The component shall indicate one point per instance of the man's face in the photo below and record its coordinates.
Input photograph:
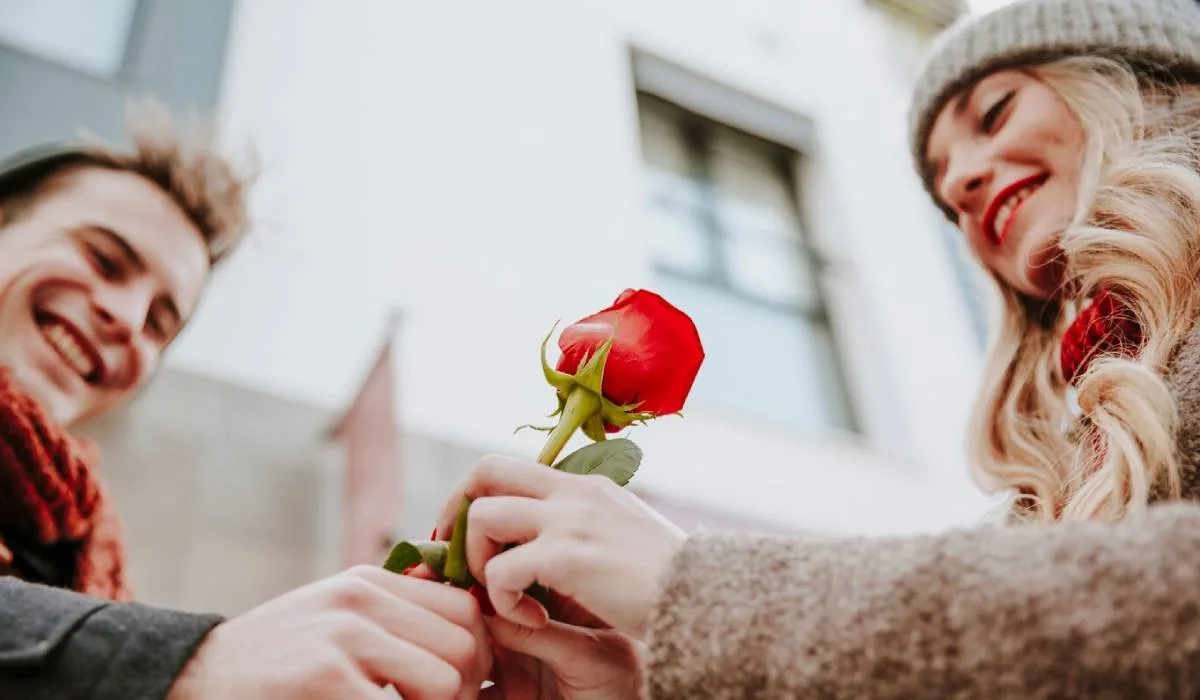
(96, 279)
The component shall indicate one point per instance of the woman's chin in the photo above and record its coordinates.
(1045, 267)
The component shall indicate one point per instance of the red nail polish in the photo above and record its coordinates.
(481, 597)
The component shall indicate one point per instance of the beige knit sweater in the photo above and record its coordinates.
(1060, 611)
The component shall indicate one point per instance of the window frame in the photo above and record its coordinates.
(109, 72)
(682, 97)
(175, 51)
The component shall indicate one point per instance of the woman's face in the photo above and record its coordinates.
(1005, 156)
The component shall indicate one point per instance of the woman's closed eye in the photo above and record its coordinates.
(992, 116)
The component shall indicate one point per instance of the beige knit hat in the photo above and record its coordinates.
(1161, 34)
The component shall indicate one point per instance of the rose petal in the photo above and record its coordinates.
(655, 356)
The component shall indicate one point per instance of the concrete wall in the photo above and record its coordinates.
(219, 488)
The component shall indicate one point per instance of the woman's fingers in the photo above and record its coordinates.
(581, 661)
(497, 521)
(582, 537)
(556, 644)
(515, 676)
(510, 574)
(498, 476)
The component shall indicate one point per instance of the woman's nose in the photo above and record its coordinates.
(966, 183)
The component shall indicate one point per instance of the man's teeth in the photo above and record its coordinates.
(64, 341)
(1007, 208)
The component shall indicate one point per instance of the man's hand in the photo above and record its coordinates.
(348, 636)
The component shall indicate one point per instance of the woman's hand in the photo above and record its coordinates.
(583, 537)
(571, 658)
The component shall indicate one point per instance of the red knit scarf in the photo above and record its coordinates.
(50, 495)
(1103, 328)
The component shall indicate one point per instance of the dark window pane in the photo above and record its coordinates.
(674, 217)
(728, 242)
(761, 362)
(769, 269)
(761, 237)
(678, 238)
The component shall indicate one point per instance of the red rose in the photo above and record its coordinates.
(655, 355)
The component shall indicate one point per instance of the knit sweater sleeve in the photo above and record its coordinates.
(1078, 610)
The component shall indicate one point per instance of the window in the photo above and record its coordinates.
(983, 6)
(67, 64)
(927, 15)
(723, 215)
(89, 35)
(910, 27)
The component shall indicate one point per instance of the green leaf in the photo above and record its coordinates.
(402, 556)
(407, 554)
(617, 459)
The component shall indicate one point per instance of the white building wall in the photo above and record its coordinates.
(477, 166)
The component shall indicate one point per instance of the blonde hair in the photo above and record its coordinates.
(1134, 233)
(182, 160)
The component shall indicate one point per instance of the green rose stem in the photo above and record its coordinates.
(581, 405)
(456, 556)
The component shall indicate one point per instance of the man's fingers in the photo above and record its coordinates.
(416, 673)
(451, 603)
(453, 644)
(367, 688)
(442, 619)
(498, 476)
(496, 521)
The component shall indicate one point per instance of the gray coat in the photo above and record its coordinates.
(59, 645)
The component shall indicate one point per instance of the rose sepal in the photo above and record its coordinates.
(590, 376)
